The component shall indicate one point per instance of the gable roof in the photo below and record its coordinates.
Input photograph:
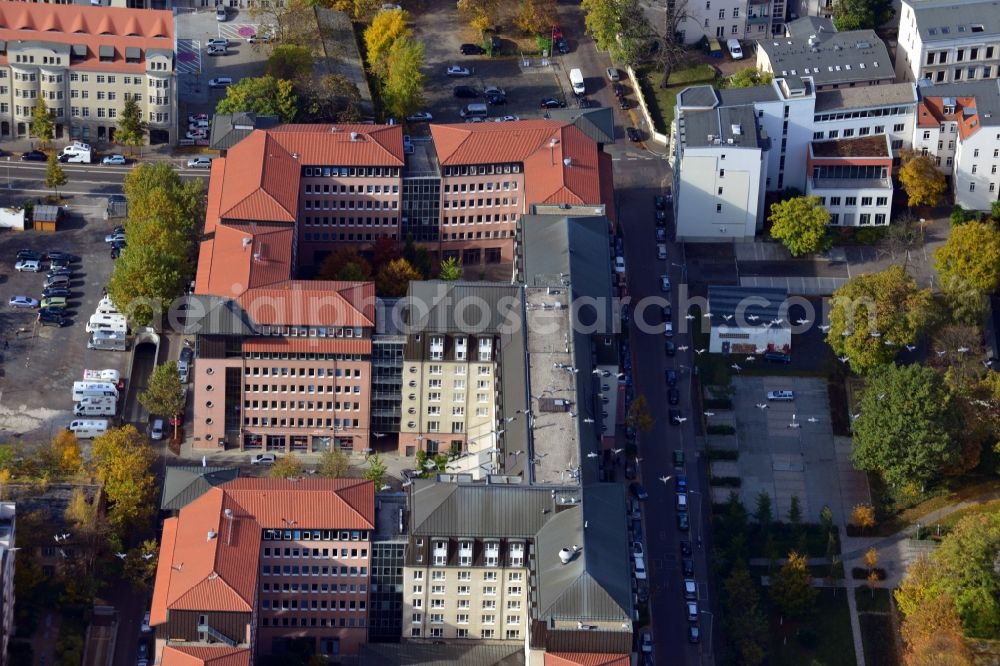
(839, 57)
(228, 129)
(598, 122)
(976, 104)
(260, 180)
(93, 28)
(585, 659)
(209, 553)
(196, 655)
(311, 302)
(182, 485)
(241, 257)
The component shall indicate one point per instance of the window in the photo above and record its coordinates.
(834, 201)
(927, 135)
(736, 12)
(866, 201)
(851, 201)
(972, 187)
(882, 201)
(489, 618)
(899, 127)
(865, 218)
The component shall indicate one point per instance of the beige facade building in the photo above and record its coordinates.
(85, 62)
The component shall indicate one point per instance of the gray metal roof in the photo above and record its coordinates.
(183, 485)
(724, 301)
(866, 96)
(736, 96)
(598, 123)
(228, 129)
(840, 57)
(514, 400)
(803, 27)
(986, 92)
(214, 315)
(481, 510)
(596, 584)
(467, 653)
(437, 306)
(699, 97)
(721, 124)
(945, 20)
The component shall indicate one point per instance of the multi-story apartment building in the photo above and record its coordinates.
(947, 41)
(8, 513)
(255, 564)
(831, 59)
(85, 62)
(786, 117)
(729, 19)
(513, 563)
(853, 179)
(451, 366)
(957, 124)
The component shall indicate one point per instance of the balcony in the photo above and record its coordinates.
(758, 20)
(851, 183)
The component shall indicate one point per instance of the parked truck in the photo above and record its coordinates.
(576, 78)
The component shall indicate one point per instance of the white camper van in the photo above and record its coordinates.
(106, 375)
(108, 341)
(107, 322)
(96, 389)
(88, 428)
(94, 409)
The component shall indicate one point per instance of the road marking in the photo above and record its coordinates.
(189, 56)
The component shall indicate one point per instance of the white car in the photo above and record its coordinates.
(114, 159)
(220, 82)
(183, 370)
(217, 41)
(735, 50)
(28, 266)
(506, 119)
(494, 90)
(619, 264)
(217, 50)
(455, 70)
(664, 283)
(197, 117)
(262, 38)
(22, 302)
(668, 329)
(263, 459)
(646, 641)
(199, 163)
(420, 116)
(196, 134)
(220, 13)
(145, 628)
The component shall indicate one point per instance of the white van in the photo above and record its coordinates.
(475, 111)
(781, 396)
(640, 569)
(106, 375)
(97, 389)
(576, 79)
(94, 409)
(661, 251)
(107, 322)
(89, 428)
(682, 501)
(735, 50)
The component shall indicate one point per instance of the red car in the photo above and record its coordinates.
(557, 32)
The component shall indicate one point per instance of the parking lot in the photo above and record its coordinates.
(40, 363)
(195, 68)
(443, 30)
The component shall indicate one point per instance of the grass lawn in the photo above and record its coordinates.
(662, 100)
(783, 540)
(824, 636)
(913, 514)
(878, 638)
(863, 596)
(948, 522)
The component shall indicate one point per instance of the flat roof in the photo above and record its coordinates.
(865, 146)
(866, 96)
(734, 126)
(945, 20)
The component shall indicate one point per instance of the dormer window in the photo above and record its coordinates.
(437, 348)
(492, 554)
(465, 553)
(461, 349)
(440, 553)
(517, 555)
(485, 349)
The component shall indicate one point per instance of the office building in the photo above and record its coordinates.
(8, 514)
(853, 179)
(948, 41)
(257, 565)
(85, 62)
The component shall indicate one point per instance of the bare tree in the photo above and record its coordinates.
(671, 52)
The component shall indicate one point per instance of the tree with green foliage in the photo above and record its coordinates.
(873, 315)
(394, 278)
(332, 98)
(861, 14)
(376, 471)
(418, 256)
(345, 263)
(638, 415)
(906, 430)
(42, 124)
(333, 464)
(381, 34)
(139, 565)
(403, 84)
(603, 21)
(131, 127)
(263, 95)
(800, 223)
(763, 514)
(286, 467)
(54, 176)
(923, 181)
(970, 256)
(791, 587)
(164, 395)
(290, 62)
(826, 518)
(535, 16)
(123, 460)
(745, 621)
(450, 270)
(748, 77)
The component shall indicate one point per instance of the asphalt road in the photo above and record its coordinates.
(29, 177)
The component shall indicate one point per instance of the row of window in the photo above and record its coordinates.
(84, 112)
(304, 356)
(486, 634)
(311, 388)
(463, 618)
(437, 576)
(317, 588)
(327, 221)
(327, 188)
(466, 590)
(296, 570)
(27, 110)
(274, 422)
(853, 201)
(314, 604)
(941, 57)
(350, 204)
(969, 72)
(312, 621)
(466, 604)
(479, 235)
(352, 172)
(505, 186)
(481, 169)
(303, 405)
(264, 371)
(865, 219)
(353, 553)
(315, 535)
(326, 236)
(479, 203)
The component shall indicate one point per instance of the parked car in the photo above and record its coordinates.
(455, 70)
(646, 642)
(660, 202)
(220, 82)
(682, 521)
(420, 117)
(687, 565)
(59, 255)
(671, 375)
(196, 134)
(619, 90)
(694, 634)
(199, 163)
(682, 483)
(114, 237)
(614, 75)
(215, 41)
(263, 459)
(56, 272)
(29, 254)
(56, 291)
(506, 119)
(466, 92)
(471, 49)
(53, 302)
(496, 100)
(619, 264)
(670, 348)
(50, 318)
(22, 302)
(34, 156)
(28, 266)
(673, 396)
(685, 549)
(187, 355)
(218, 50)
(638, 491)
(261, 37)
(562, 46)
(552, 103)
(664, 283)
(145, 628)
(661, 234)
(557, 32)
(624, 104)
(220, 13)
(735, 50)
(114, 159)
(633, 134)
(692, 611)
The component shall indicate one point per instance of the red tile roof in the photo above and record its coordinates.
(374, 145)
(242, 257)
(561, 163)
(209, 555)
(585, 659)
(930, 113)
(93, 27)
(306, 345)
(259, 181)
(309, 303)
(194, 655)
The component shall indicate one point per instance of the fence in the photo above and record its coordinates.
(644, 108)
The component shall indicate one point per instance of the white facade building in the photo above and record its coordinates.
(853, 179)
(947, 41)
(7, 552)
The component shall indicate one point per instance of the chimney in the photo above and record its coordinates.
(354, 136)
(211, 535)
